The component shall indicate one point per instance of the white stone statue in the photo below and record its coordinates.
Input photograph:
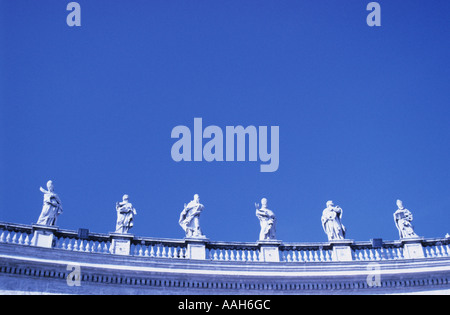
(51, 207)
(189, 218)
(403, 218)
(267, 220)
(125, 215)
(331, 222)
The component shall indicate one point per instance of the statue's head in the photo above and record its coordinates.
(196, 198)
(264, 202)
(125, 197)
(330, 203)
(50, 185)
(399, 204)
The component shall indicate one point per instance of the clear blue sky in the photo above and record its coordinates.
(363, 112)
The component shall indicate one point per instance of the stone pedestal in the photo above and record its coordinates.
(120, 243)
(196, 248)
(341, 250)
(43, 235)
(269, 250)
(412, 248)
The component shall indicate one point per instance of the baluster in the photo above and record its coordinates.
(232, 258)
(158, 250)
(310, 256)
(218, 254)
(377, 254)
(106, 249)
(94, 245)
(141, 251)
(241, 255)
(321, 256)
(81, 246)
(8, 237)
(227, 256)
(444, 254)
(295, 256)
(14, 239)
(392, 253)
(328, 255)
(399, 253)
(69, 244)
(288, 255)
(87, 248)
(316, 256)
(359, 255)
(305, 255)
(244, 256)
(20, 241)
(366, 256)
(371, 255)
(27, 239)
(75, 244)
(431, 250)
(256, 255)
(63, 243)
(146, 253)
(152, 250)
(238, 255)
(438, 252)
(387, 253)
(2, 237)
(99, 247)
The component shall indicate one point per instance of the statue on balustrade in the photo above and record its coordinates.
(267, 220)
(189, 218)
(51, 207)
(125, 215)
(331, 222)
(403, 218)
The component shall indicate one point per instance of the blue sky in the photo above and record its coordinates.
(363, 113)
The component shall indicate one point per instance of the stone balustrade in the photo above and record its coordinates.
(126, 244)
(233, 251)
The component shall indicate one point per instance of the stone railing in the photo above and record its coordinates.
(262, 251)
(233, 251)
